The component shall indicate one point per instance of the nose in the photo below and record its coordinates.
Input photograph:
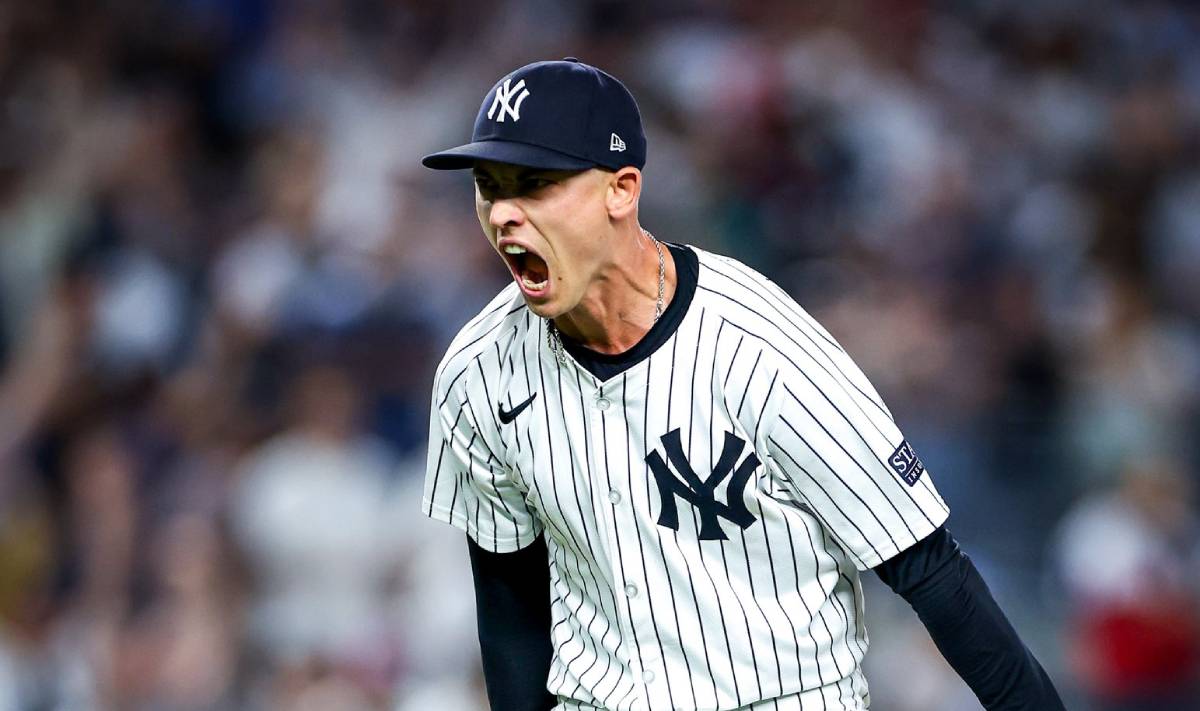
(505, 213)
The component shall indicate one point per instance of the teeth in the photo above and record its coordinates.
(535, 286)
(514, 249)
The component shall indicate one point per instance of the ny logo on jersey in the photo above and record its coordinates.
(504, 102)
(702, 493)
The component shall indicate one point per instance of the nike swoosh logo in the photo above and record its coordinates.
(507, 416)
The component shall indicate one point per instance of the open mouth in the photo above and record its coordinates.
(528, 268)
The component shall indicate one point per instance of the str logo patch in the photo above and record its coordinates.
(906, 463)
(702, 493)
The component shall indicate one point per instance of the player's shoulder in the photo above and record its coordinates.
(751, 303)
(720, 273)
(499, 319)
(742, 294)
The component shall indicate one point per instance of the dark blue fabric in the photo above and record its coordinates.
(512, 603)
(970, 630)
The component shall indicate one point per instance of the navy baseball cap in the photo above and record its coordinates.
(559, 115)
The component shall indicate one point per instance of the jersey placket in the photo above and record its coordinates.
(603, 417)
(620, 458)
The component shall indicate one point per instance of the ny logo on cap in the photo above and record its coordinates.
(701, 493)
(503, 98)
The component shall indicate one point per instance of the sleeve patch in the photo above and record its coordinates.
(906, 463)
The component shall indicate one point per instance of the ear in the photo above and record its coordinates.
(624, 189)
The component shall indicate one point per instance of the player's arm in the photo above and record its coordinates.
(833, 446)
(512, 603)
(942, 585)
(468, 486)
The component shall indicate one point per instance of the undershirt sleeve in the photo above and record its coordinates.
(970, 630)
(512, 602)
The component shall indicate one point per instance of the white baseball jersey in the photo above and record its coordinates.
(706, 510)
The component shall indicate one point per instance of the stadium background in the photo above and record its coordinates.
(225, 282)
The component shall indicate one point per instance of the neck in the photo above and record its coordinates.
(619, 308)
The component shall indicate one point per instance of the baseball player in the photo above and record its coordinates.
(671, 476)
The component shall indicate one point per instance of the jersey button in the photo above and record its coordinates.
(614, 496)
(603, 403)
(631, 590)
(647, 676)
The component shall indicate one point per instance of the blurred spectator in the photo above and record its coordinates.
(436, 619)
(1130, 560)
(37, 373)
(181, 651)
(313, 512)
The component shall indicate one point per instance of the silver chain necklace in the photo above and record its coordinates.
(554, 340)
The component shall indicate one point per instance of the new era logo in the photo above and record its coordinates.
(504, 100)
(615, 143)
(906, 463)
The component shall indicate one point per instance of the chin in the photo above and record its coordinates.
(544, 309)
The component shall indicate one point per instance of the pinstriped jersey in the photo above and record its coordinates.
(707, 510)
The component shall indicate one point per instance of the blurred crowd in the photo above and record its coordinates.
(225, 283)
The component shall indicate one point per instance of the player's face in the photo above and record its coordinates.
(548, 226)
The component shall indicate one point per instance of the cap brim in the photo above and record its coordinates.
(522, 154)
